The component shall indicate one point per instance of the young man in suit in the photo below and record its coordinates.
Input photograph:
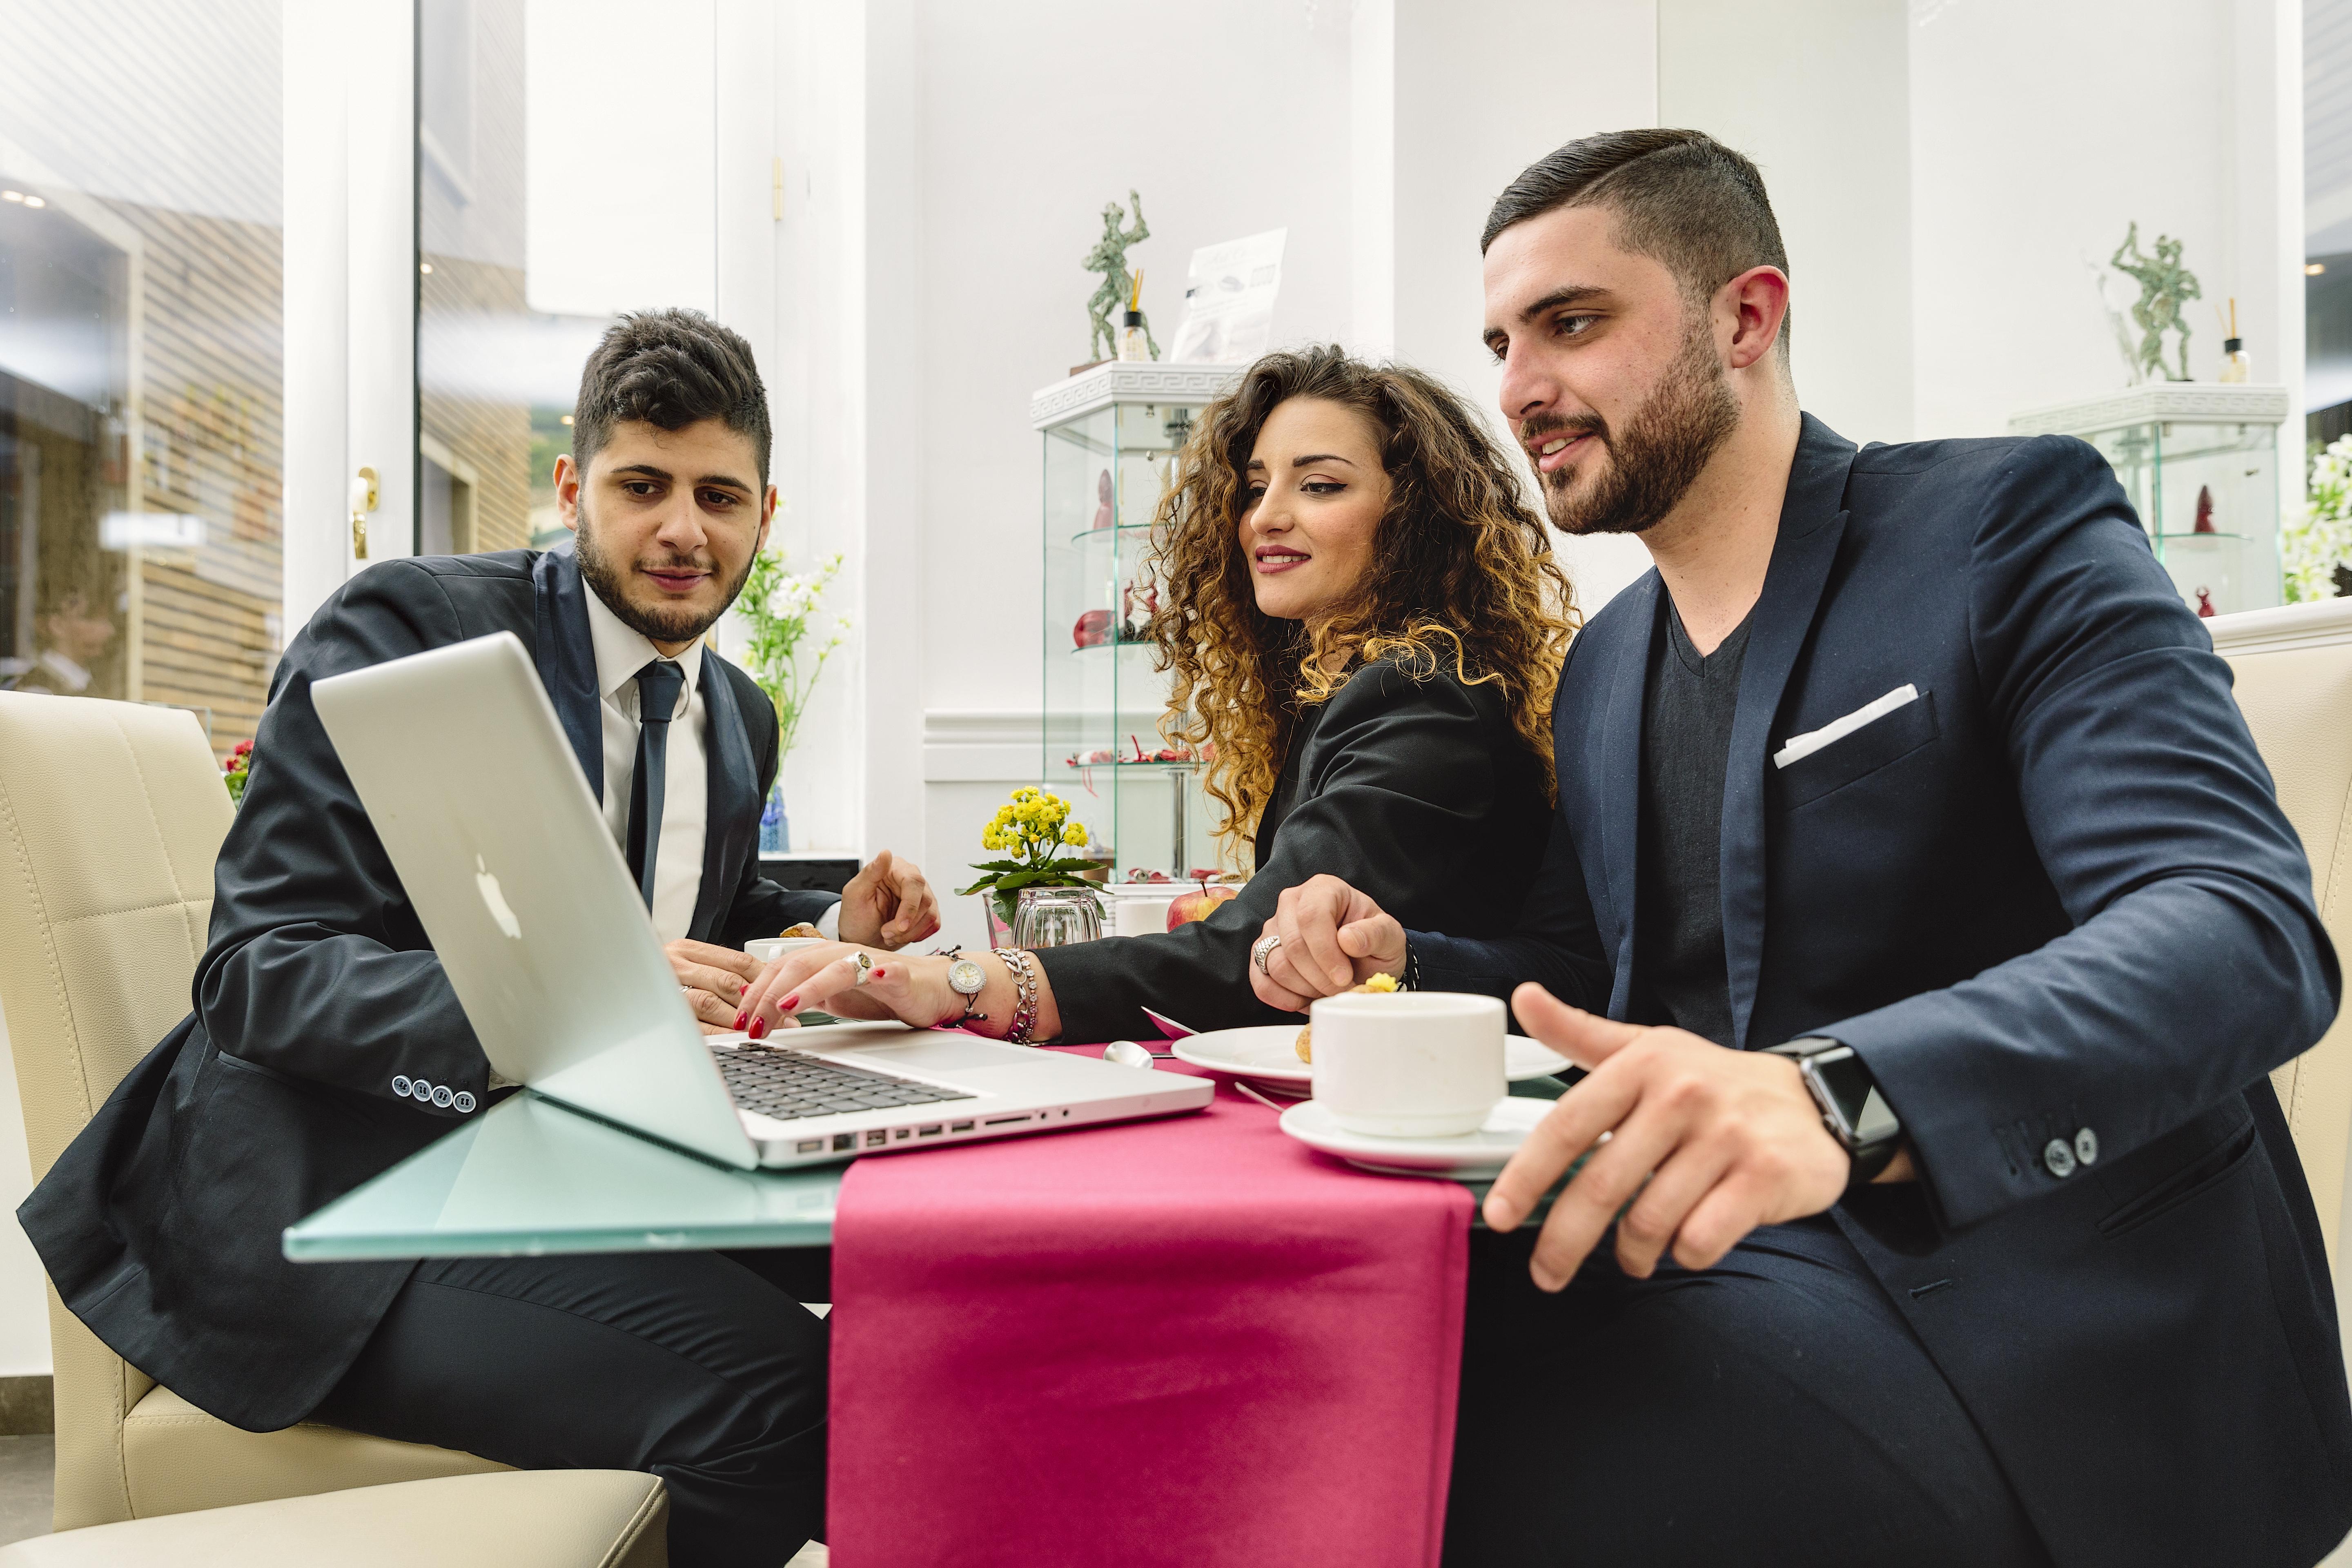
(327, 1044)
(1937, 926)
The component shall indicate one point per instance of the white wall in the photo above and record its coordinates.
(1233, 117)
(2038, 133)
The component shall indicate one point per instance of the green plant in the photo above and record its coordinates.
(2312, 545)
(1035, 825)
(236, 769)
(776, 604)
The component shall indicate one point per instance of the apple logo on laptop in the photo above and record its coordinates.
(495, 900)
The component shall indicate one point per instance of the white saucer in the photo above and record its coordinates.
(1267, 1058)
(1468, 1157)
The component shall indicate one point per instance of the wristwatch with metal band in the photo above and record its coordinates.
(1852, 1109)
(965, 978)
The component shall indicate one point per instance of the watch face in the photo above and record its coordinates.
(1856, 1095)
(965, 977)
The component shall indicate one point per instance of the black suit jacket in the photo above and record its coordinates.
(159, 1224)
(1415, 790)
(2054, 894)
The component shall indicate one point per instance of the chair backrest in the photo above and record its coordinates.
(2293, 669)
(111, 816)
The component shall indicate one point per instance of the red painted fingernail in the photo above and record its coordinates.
(759, 1029)
(791, 1001)
(739, 1017)
(881, 972)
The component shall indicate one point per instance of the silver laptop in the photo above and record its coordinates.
(467, 775)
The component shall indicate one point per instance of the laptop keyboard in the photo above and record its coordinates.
(788, 1084)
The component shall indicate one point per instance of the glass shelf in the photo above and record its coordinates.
(1108, 535)
(1110, 440)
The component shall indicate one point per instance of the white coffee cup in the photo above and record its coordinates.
(1413, 1064)
(766, 948)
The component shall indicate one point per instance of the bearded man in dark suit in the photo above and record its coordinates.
(1924, 919)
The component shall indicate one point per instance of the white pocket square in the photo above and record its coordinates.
(1812, 741)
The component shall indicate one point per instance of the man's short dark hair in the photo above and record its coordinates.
(1681, 197)
(671, 369)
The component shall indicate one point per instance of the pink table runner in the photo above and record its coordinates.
(1180, 1342)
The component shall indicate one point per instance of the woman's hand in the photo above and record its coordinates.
(911, 988)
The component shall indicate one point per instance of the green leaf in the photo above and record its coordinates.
(989, 881)
(1001, 866)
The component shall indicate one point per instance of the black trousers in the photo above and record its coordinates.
(1773, 1409)
(700, 1367)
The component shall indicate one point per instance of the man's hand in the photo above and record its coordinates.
(1725, 1141)
(713, 979)
(1333, 937)
(887, 905)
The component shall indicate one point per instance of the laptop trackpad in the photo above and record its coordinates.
(942, 1053)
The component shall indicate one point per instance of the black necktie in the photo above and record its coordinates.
(657, 686)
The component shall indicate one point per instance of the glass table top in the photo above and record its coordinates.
(529, 1177)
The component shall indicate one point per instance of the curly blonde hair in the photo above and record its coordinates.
(1462, 570)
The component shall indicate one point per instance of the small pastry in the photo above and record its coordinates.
(1379, 984)
(802, 929)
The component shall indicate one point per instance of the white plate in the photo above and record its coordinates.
(1267, 1056)
(1466, 1157)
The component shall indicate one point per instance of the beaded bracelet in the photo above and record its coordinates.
(1023, 971)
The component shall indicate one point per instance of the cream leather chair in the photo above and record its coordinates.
(523, 1518)
(111, 814)
(2293, 671)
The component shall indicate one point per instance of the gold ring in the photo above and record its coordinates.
(864, 968)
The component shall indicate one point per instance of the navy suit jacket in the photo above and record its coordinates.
(159, 1224)
(2053, 895)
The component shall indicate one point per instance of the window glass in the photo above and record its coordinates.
(544, 208)
(140, 379)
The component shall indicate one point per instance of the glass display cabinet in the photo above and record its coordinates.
(1110, 437)
(2201, 463)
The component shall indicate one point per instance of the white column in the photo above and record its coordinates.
(1821, 99)
(381, 414)
(1455, 114)
(890, 303)
(316, 541)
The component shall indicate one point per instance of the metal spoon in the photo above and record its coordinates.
(1127, 1054)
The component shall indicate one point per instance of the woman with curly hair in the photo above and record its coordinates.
(1364, 622)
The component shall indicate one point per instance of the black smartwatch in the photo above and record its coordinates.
(1853, 1110)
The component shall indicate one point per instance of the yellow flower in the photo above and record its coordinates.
(1024, 793)
(990, 839)
(1075, 833)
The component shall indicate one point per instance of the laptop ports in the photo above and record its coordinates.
(809, 1146)
(844, 1141)
(932, 1132)
(959, 1127)
(875, 1139)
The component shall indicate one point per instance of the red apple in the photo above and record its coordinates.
(1196, 905)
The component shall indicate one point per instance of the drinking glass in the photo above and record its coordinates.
(1057, 917)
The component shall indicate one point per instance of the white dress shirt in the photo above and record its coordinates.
(686, 786)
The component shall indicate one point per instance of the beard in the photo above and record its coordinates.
(1654, 460)
(654, 623)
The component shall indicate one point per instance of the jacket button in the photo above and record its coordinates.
(2086, 1147)
(400, 1086)
(465, 1101)
(442, 1096)
(2059, 1155)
